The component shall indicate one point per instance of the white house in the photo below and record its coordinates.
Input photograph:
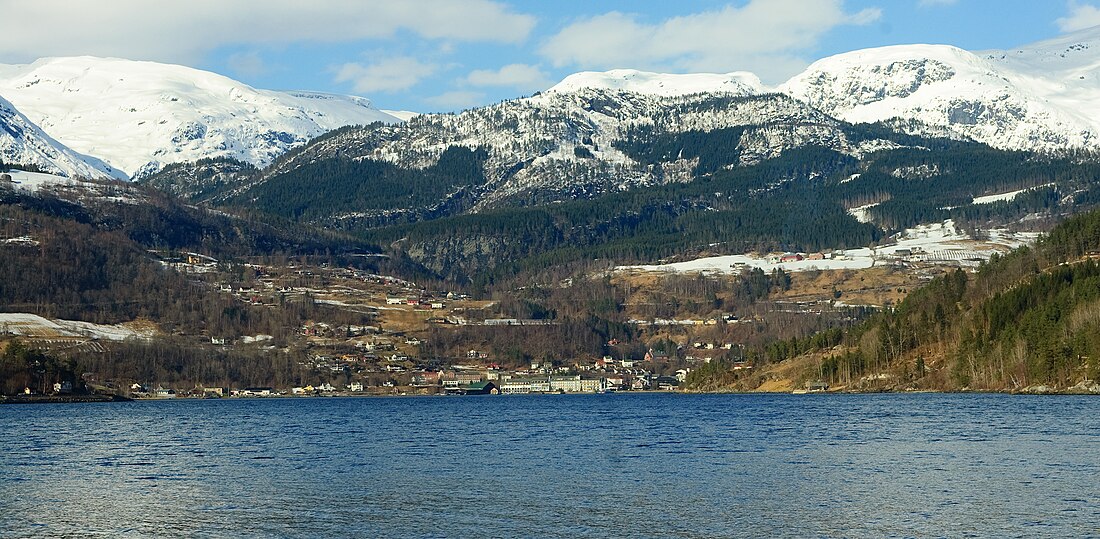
(567, 384)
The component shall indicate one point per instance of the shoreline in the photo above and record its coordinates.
(83, 399)
(61, 399)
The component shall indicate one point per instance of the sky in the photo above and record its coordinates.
(446, 55)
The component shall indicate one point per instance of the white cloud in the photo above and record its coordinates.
(248, 64)
(1080, 16)
(184, 31)
(458, 99)
(519, 76)
(764, 36)
(387, 75)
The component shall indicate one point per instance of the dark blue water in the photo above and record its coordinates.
(556, 466)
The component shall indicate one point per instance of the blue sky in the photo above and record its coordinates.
(437, 55)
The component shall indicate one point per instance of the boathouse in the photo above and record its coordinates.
(479, 388)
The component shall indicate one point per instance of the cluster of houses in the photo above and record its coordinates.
(357, 358)
(416, 302)
(786, 258)
(725, 318)
(187, 262)
(159, 392)
(576, 383)
(518, 322)
(605, 376)
(507, 386)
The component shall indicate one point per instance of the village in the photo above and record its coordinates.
(355, 332)
(358, 332)
(362, 333)
(369, 334)
(605, 377)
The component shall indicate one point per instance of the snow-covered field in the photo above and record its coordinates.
(35, 181)
(989, 199)
(861, 214)
(939, 243)
(31, 325)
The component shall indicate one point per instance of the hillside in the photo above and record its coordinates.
(1028, 321)
(96, 250)
(117, 279)
(204, 297)
(808, 200)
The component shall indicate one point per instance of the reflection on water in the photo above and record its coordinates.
(599, 465)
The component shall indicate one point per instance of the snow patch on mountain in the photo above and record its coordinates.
(23, 142)
(403, 115)
(74, 189)
(662, 84)
(28, 324)
(1005, 197)
(936, 243)
(140, 116)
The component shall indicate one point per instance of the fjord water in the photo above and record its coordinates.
(657, 465)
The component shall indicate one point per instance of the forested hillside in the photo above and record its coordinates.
(1025, 320)
(75, 254)
(99, 260)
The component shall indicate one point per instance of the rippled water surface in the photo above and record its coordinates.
(556, 466)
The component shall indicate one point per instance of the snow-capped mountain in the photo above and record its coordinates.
(140, 116)
(662, 84)
(22, 142)
(1044, 96)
